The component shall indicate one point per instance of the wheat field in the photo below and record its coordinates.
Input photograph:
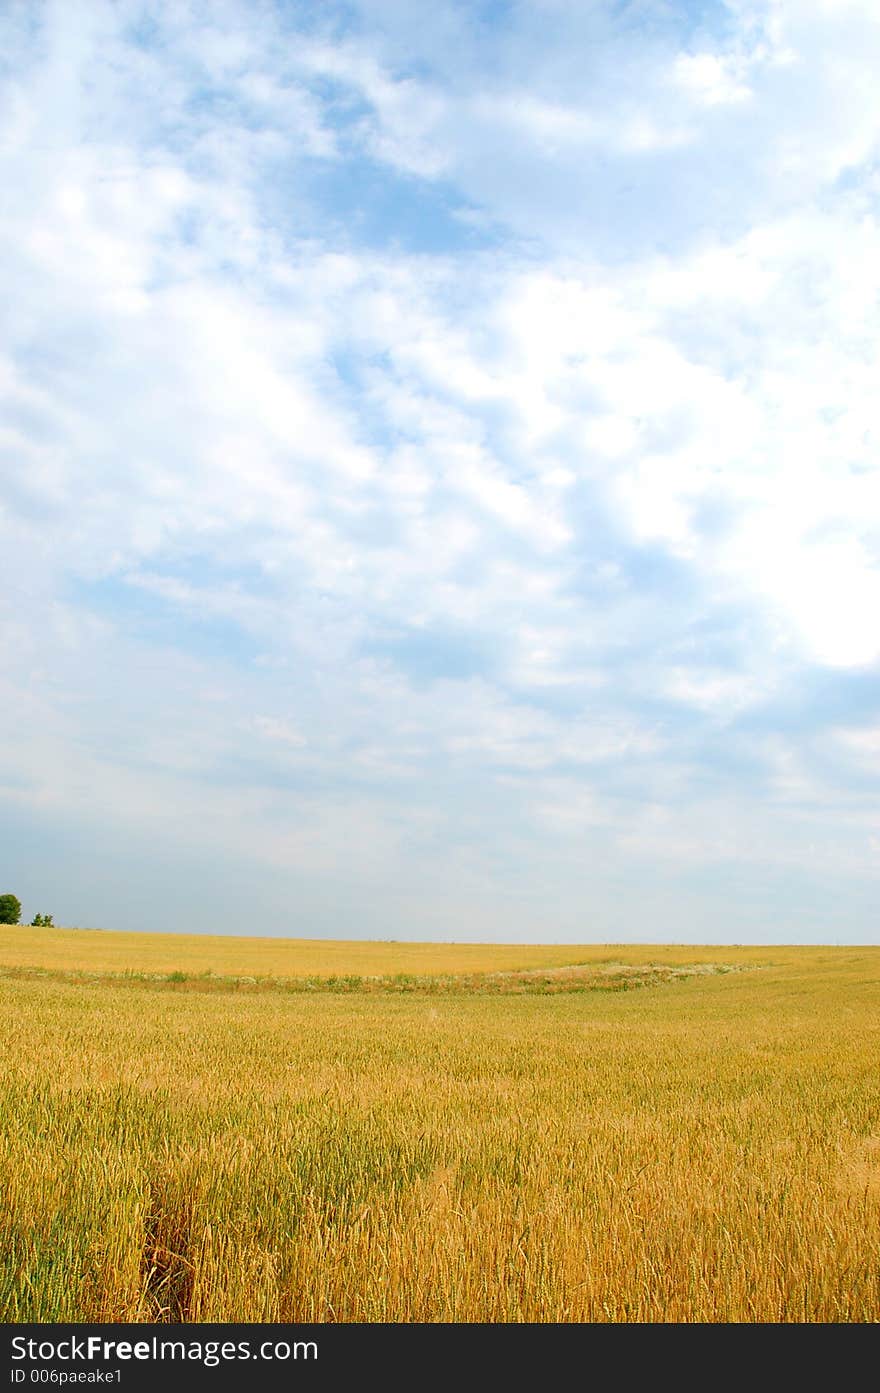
(212, 1129)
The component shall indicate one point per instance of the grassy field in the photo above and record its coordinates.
(237, 1129)
(100, 951)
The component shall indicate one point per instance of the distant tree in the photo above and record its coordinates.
(42, 921)
(10, 909)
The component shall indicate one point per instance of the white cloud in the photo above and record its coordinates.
(709, 79)
(658, 351)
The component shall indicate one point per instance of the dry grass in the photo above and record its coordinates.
(702, 1149)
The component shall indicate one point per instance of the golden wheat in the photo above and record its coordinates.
(706, 1148)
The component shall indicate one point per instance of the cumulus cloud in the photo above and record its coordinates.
(440, 456)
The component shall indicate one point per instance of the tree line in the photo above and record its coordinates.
(10, 913)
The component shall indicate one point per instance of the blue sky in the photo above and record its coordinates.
(439, 484)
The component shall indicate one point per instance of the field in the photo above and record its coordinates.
(199, 1129)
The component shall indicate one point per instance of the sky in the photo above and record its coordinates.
(439, 477)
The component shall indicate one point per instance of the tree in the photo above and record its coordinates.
(42, 921)
(10, 909)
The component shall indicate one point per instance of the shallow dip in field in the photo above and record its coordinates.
(574, 978)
